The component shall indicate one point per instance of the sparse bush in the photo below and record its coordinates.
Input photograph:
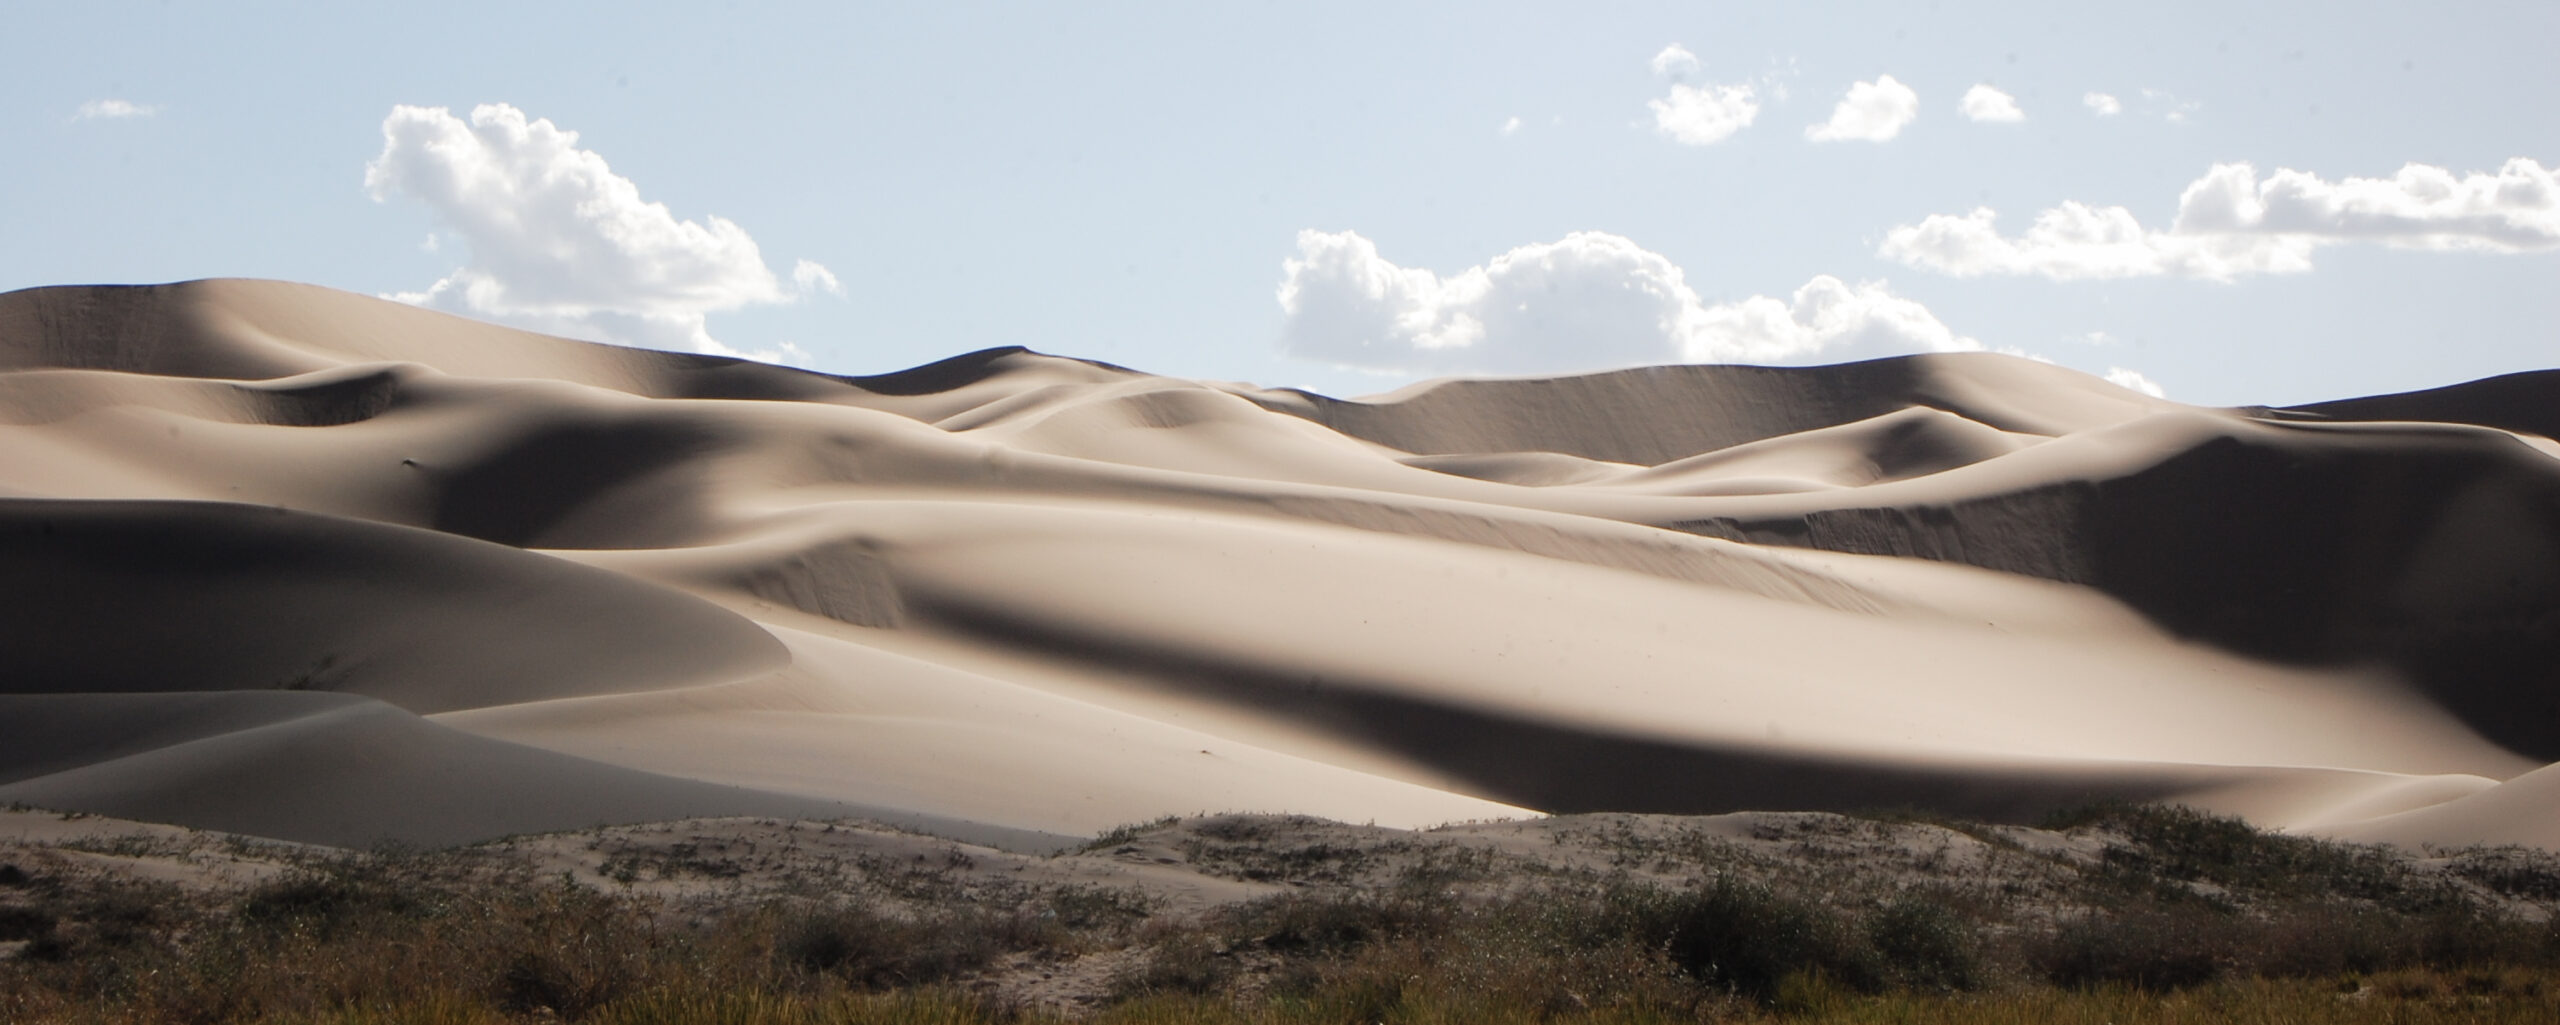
(1393, 929)
(1298, 924)
(872, 950)
(2511, 871)
(1189, 962)
(332, 897)
(1924, 944)
(1118, 836)
(1746, 937)
(2156, 949)
(2171, 845)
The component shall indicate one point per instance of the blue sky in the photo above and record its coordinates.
(1143, 183)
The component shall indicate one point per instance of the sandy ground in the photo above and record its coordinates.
(298, 564)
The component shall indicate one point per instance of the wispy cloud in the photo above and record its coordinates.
(111, 110)
(2102, 104)
(2232, 223)
(1588, 301)
(2134, 380)
(560, 243)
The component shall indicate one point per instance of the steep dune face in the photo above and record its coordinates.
(276, 553)
(122, 597)
(2512, 402)
(2427, 548)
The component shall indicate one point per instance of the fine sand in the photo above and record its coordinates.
(301, 564)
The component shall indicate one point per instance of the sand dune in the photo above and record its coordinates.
(294, 562)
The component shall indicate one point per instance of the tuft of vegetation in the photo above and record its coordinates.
(2132, 914)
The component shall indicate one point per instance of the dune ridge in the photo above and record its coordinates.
(300, 563)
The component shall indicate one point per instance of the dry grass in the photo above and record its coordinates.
(2129, 915)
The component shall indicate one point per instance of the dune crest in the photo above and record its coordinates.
(289, 561)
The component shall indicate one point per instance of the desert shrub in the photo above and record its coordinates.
(870, 949)
(2165, 948)
(2511, 871)
(1297, 924)
(550, 984)
(336, 896)
(1187, 962)
(1924, 944)
(2168, 845)
(1745, 937)
(25, 923)
(562, 951)
(1097, 907)
(2327, 940)
(2471, 938)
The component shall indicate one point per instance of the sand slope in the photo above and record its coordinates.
(277, 556)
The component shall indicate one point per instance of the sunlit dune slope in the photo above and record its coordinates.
(313, 565)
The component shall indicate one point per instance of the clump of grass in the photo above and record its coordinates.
(1120, 836)
(2511, 871)
(1747, 938)
(1925, 944)
(2168, 847)
(2187, 915)
(870, 949)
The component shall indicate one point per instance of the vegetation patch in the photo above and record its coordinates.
(2123, 914)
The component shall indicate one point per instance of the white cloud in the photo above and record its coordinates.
(2230, 223)
(2102, 104)
(811, 276)
(112, 110)
(2167, 106)
(1588, 301)
(1984, 103)
(1703, 114)
(2134, 381)
(1675, 62)
(1870, 112)
(560, 243)
(1510, 125)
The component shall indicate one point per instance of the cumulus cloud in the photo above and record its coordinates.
(1704, 115)
(1984, 103)
(2102, 104)
(1675, 62)
(1701, 114)
(2232, 223)
(1510, 125)
(1588, 301)
(560, 243)
(95, 110)
(1870, 112)
(2133, 380)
